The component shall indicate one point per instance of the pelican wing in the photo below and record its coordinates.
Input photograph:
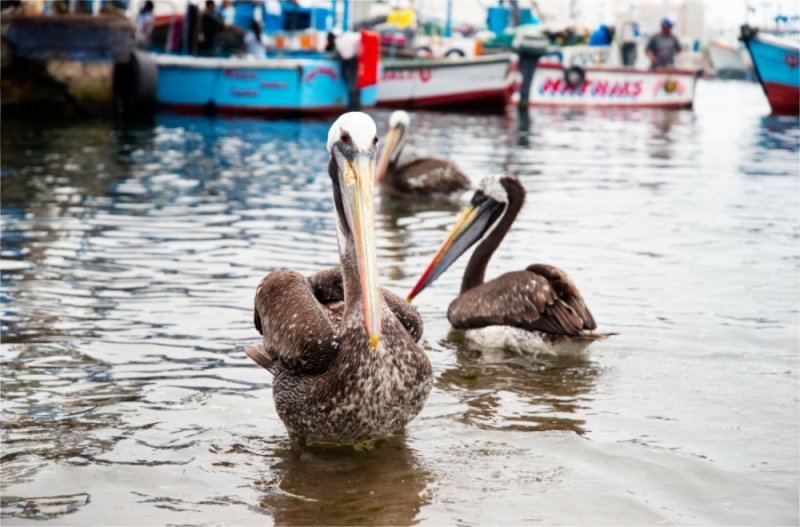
(405, 313)
(298, 330)
(567, 291)
(430, 175)
(329, 289)
(524, 299)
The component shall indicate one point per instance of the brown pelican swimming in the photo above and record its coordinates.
(343, 351)
(538, 310)
(423, 177)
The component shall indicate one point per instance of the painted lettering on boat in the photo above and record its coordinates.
(244, 93)
(593, 88)
(268, 85)
(325, 71)
(791, 60)
(407, 75)
(239, 74)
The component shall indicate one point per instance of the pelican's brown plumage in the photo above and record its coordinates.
(343, 351)
(538, 310)
(423, 177)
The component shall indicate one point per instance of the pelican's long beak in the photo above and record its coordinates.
(358, 178)
(392, 137)
(470, 227)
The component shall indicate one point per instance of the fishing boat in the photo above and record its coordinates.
(482, 83)
(729, 62)
(592, 76)
(270, 86)
(776, 61)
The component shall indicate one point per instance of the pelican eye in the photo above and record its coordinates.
(479, 198)
(346, 138)
(375, 140)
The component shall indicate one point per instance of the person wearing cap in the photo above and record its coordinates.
(663, 46)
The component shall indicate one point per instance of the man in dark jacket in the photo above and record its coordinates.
(210, 24)
(662, 47)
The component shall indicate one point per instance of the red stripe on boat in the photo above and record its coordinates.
(261, 110)
(589, 104)
(488, 97)
(785, 100)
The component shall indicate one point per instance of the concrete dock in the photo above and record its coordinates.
(62, 64)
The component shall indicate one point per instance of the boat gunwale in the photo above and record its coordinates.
(425, 63)
(776, 41)
(559, 66)
(181, 61)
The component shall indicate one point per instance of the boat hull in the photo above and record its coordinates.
(728, 62)
(615, 87)
(777, 65)
(478, 84)
(270, 86)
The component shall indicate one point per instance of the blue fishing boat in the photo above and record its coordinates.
(301, 79)
(270, 86)
(777, 65)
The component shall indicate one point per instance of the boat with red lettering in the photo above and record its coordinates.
(482, 83)
(587, 76)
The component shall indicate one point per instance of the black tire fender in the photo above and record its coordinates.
(136, 85)
(575, 76)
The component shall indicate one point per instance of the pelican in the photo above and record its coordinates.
(423, 177)
(344, 353)
(538, 310)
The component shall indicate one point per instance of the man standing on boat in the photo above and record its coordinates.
(663, 46)
(211, 23)
(348, 47)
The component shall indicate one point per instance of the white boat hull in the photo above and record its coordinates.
(480, 82)
(614, 87)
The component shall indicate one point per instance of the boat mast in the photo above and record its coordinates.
(448, 25)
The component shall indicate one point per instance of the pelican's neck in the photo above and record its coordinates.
(351, 275)
(475, 272)
(394, 158)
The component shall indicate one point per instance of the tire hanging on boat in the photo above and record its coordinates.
(575, 76)
(135, 85)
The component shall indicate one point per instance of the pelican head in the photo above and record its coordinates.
(352, 144)
(488, 206)
(399, 123)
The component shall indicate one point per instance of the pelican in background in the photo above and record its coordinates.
(423, 177)
(538, 310)
(344, 354)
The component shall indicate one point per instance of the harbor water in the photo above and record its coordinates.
(131, 254)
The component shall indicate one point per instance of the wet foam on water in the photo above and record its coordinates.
(130, 258)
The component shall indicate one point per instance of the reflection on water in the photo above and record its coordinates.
(130, 256)
(392, 218)
(508, 391)
(383, 485)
